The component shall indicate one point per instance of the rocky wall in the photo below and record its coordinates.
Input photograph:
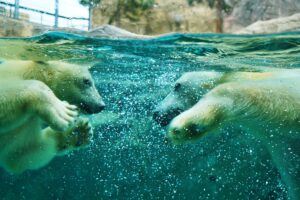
(166, 16)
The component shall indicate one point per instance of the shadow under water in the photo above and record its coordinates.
(128, 158)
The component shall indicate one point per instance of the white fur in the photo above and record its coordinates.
(268, 107)
(28, 102)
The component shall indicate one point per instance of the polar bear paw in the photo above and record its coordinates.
(62, 115)
(77, 136)
(59, 115)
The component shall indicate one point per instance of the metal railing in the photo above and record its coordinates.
(13, 10)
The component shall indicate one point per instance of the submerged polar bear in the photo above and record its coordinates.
(264, 104)
(34, 95)
(191, 86)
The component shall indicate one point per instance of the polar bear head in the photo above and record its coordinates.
(72, 83)
(187, 91)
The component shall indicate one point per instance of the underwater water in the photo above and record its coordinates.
(128, 158)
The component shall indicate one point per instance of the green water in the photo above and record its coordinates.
(128, 158)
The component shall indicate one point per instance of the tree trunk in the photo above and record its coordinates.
(219, 20)
(116, 17)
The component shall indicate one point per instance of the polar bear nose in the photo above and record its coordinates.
(165, 118)
(175, 131)
(92, 108)
(100, 107)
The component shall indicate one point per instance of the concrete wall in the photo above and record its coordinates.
(12, 28)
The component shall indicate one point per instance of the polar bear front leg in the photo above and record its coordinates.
(202, 118)
(56, 113)
(47, 144)
(78, 136)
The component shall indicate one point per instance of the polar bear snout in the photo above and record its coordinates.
(177, 131)
(92, 108)
(176, 135)
(100, 107)
(181, 130)
(164, 118)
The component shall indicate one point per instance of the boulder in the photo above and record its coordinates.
(109, 31)
(246, 12)
(282, 24)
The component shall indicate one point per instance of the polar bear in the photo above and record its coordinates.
(38, 118)
(267, 106)
(191, 86)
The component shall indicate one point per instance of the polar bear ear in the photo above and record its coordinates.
(86, 66)
(90, 65)
(41, 62)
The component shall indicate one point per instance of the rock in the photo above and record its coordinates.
(246, 12)
(283, 24)
(109, 31)
(68, 30)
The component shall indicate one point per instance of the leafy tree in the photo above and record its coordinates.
(89, 2)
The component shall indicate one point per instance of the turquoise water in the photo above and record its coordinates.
(128, 158)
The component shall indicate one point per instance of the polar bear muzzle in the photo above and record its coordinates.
(92, 108)
(164, 118)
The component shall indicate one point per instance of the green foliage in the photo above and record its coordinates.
(89, 2)
(191, 2)
(143, 4)
(212, 4)
(138, 4)
(133, 9)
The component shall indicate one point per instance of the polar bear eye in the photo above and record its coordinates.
(177, 86)
(87, 82)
